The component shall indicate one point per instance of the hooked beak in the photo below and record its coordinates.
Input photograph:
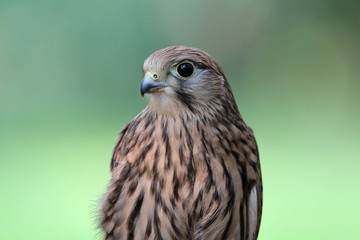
(149, 85)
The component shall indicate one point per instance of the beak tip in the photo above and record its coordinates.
(142, 91)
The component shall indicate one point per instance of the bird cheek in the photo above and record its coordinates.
(173, 81)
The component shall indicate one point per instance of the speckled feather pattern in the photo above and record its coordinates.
(190, 172)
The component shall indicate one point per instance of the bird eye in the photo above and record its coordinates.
(185, 69)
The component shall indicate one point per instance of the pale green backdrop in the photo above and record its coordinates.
(70, 74)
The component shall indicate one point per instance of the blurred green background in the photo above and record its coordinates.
(70, 73)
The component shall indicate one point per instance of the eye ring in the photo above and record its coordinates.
(185, 69)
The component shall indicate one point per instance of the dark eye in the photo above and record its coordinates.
(185, 69)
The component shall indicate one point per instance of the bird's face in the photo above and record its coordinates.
(179, 79)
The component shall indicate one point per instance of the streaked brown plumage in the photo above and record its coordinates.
(187, 167)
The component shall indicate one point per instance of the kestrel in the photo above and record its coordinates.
(186, 167)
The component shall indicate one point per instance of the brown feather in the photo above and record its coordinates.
(186, 167)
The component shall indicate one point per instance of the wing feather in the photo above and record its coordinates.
(115, 151)
(254, 195)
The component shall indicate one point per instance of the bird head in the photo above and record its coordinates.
(180, 78)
